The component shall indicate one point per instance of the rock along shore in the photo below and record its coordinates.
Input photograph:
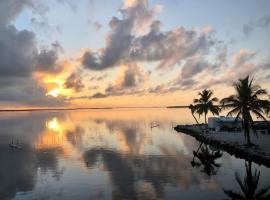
(239, 151)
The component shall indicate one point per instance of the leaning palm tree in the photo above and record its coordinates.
(192, 109)
(205, 104)
(249, 186)
(244, 102)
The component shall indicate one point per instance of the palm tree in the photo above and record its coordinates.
(205, 104)
(207, 158)
(192, 109)
(249, 186)
(244, 102)
(267, 109)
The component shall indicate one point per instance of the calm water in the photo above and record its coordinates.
(113, 154)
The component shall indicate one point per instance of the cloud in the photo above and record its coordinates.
(17, 52)
(242, 57)
(172, 86)
(10, 9)
(98, 95)
(20, 58)
(117, 44)
(46, 61)
(129, 81)
(130, 78)
(19, 55)
(171, 47)
(74, 81)
(193, 72)
(193, 66)
(262, 22)
(28, 92)
(242, 65)
(126, 44)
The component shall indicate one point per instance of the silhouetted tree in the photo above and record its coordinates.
(205, 104)
(267, 109)
(207, 158)
(248, 186)
(244, 102)
(192, 109)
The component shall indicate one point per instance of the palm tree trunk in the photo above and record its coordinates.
(198, 150)
(197, 122)
(205, 121)
(246, 129)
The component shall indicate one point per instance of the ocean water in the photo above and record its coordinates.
(114, 154)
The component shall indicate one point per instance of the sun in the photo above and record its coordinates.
(58, 88)
(55, 92)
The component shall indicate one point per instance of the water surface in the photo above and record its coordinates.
(113, 154)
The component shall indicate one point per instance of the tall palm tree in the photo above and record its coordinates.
(244, 102)
(205, 104)
(249, 186)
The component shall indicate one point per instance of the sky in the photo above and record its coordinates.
(100, 53)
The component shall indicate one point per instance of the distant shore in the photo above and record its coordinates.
(87, 108)
(50, 109)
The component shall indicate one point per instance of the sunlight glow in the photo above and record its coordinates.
(55, 92)
(59, 88)
(54, 125)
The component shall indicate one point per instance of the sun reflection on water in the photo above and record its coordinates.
(54, 125)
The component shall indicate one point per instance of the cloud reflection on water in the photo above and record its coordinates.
(106, 154)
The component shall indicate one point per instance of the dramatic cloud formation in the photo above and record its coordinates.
(17, 52)
(20, 58)
(26, 91)
(60, 52)
(125, 44)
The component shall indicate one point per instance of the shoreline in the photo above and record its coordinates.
(49, 109)
(239, 151)
(91, 108)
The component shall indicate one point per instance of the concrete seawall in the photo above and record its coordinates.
(240, 151)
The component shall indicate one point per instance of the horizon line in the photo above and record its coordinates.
(84, 108)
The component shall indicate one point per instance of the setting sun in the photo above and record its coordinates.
(55, 86)
(55, 92)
